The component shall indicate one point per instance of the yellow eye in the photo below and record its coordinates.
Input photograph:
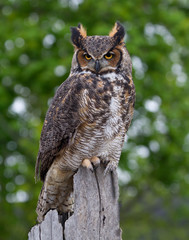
(108, 56)
(87, 56)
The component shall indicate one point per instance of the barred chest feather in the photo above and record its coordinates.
(113, 122)
(114, 116)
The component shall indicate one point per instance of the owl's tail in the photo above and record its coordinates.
(56, 193)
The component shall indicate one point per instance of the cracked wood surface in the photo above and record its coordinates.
(96, 214)
(49, 229)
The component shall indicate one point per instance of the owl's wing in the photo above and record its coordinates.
(61, 122)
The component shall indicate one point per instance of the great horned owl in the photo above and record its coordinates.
(88, 117)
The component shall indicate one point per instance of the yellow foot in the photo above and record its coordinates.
(87, 163)
(95, 160)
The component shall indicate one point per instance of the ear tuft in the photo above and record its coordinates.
(78, 34)
(117, 32)
(82, 30)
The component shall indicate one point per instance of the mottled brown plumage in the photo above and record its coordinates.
(88, 117)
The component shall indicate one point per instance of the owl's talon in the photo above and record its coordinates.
(95, 161)
(87, 163)
(112, 166)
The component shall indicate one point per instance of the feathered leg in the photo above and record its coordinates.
(56, 192)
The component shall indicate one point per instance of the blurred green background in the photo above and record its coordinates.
(35, 58)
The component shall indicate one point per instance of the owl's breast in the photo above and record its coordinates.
(114, 121)
(109, 100)
(105, 112)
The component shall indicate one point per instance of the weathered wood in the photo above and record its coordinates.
(96, 214)
(96, 210)
(49, 229)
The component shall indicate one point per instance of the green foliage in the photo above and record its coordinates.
(35, 58)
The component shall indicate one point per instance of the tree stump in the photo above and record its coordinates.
(96, 210)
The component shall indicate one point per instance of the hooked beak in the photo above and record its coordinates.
(97, 66)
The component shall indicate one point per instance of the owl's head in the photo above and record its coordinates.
(100, 54)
